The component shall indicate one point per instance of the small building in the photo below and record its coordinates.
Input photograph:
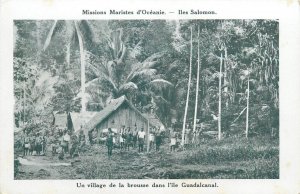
(79, 120)
(63, 121)
(118, 113)
(72, 121)
(155, 121)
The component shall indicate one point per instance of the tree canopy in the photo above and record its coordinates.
(148, 61)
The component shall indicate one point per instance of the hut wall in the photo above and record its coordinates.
(126, 116)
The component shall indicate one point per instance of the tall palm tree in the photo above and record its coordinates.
(248, 95)
(197, 84)
(245, 74)
(220, 99)
(188, 91)
(73, 31)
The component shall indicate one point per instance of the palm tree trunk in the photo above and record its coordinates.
(247, 116)
(197, 85)
(38, 40)
(68, 54)
(188, 92)
(225, 76)
(24, 102)
(220, 99)
(48, 39)
(82, 65)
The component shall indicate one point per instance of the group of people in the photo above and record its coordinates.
(191, 138)
(59, 141)
(132, 138)
(67, 142)
(63, 141)
(33, 142)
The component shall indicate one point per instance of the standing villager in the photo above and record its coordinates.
(135, 137)
(74, 146)
(44, 142)
(109, 142)
(128, 139)
(173, 141)
(122, 137)
(38, 144)
(158, 139)
(32, 144)
(54, 146)
(151, 139)
(66, 141)
(26, 145)
(141, 139)
(187, 137)
(81, 141)
(94, 136)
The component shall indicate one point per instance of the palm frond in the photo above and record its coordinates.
(130, 86)
(160, 85)
(136, 51)
(161, 82)
(103, 78)
(145, 73)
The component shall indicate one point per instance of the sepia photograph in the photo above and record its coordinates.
(146, 99)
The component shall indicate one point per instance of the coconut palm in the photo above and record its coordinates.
(142, 76)
(114, 77)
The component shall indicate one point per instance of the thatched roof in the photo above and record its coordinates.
(81, 119)
(61, 120)
(78, 119)
(154, 120)
(108, 110)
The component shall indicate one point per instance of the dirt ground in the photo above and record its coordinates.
(95, 164)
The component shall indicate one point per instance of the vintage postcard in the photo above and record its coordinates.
(164, 97)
